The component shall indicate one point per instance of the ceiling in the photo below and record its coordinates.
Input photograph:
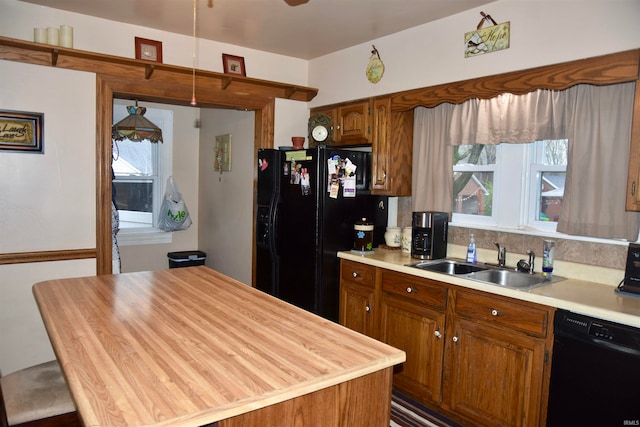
(306, 31)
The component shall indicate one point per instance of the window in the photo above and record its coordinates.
(547, 179)
(509, 185)
(473, 175)
(141, 170)
(135, 165)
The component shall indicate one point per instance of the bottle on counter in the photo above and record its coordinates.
(548, 252)
(471, 250)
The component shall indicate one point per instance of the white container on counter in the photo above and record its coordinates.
(406, 240)
(392, 237)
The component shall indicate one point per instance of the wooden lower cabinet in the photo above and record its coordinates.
(493, 377)
(413, 319)
(358, 300)
(478, 358)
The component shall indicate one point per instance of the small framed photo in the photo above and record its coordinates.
(148, 50)
(233, 65)
(21, 131)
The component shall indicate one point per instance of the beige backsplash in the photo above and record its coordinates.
(591, 261)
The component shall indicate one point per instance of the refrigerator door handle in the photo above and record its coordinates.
(274, 231)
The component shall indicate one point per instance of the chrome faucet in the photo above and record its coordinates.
(502, 255)
(527, 266)
(532, 258)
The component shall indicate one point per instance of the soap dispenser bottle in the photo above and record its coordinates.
(471, 250)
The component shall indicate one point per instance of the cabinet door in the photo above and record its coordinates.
(392, 150)
(357, 307)
(380, 148)
(418, 331)
(353, 123)
(493, 377)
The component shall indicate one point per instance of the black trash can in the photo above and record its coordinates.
(186, 258)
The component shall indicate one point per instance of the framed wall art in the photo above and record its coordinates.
(222, 161)
(233, 65)
(149, 50)
(21, 131)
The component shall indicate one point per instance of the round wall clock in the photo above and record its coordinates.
(320, 129)
(375, 69)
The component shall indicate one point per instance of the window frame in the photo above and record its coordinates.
(509, 212)
(163, 157)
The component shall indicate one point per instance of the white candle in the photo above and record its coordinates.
(66, 36)
(39, 35)
(53, 36)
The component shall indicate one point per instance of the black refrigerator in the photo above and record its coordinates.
(308, 202)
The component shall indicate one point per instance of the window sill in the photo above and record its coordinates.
(537, 233)
(143, 236)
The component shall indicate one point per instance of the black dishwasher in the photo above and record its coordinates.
(595, 373)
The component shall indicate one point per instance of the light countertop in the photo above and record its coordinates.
(190, 346)
(589, 298)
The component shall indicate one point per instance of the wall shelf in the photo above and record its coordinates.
(168, 78)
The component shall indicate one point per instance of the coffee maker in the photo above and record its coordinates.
(631, 281)
(429, 235)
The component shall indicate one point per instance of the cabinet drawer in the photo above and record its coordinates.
(419, 290)
(497, 311)
(358, 273)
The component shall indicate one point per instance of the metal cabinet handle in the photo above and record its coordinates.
(455, 339)
(495, 312)
(355, 274)
(437, 334)
(412, 290)
(367, 308)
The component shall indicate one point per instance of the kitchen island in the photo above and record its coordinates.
(190, 347)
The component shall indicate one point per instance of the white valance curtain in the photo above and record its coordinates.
(595, 119)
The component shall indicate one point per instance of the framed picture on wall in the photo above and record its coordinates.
(233, 65)
(21, 131)
(149, 50)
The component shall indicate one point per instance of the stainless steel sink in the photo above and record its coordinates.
(448, 267)
(487, 274)
(511, 279)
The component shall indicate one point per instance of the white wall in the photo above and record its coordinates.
(542, 32)
(48, 200)
(226, 201)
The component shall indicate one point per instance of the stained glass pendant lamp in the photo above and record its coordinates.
(136, 127)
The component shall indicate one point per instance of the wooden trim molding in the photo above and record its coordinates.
(47, 256)
(602, 70)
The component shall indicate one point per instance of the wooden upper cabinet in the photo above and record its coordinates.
(380, 144)
(353, 122)
(390, 134)
(392, 149)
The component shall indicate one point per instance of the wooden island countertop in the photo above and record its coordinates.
(191, 346)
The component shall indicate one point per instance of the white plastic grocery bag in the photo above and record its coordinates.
(174, 214)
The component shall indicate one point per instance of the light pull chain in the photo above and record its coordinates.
(193, 76)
